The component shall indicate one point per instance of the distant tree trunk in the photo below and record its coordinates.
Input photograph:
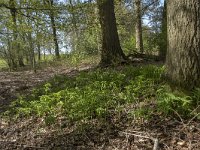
(44, 55)
(16, 45)
(26, 48)
(38, 38)
(20, 57)
(32, 54)
(183, 55)
(138, 26)
(39, 51)
(74, 27)
(31, 47)
(111, 49)
(55, 37)
(53, 25)
(163, 43)
(11, 60)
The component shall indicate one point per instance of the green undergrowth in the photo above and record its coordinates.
(97, 93)
(3, 64)
(68, 60)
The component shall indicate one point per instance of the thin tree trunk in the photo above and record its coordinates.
(32, 54)
(138, 26)
(183, 55)
(16, 45)
(39, 52)
(31, 48)
(13, 45)
(55, 37)
(11, 60)
(163, 43)
(44, 55)
(38, 38)
(53, 26)
(75, 29)
(111, 49)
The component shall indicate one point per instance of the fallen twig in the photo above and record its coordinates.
(155, 146)
(155, 140)
(146, 137)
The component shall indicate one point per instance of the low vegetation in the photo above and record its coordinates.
(3, 64)
(100, 92)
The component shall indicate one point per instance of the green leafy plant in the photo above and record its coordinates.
(169, 101)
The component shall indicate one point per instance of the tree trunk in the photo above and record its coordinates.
(44, 54)
(11, 60)
(183, 55)
(39, 52)
(16, 45)
(138, 26)
(53, 25)
(32, 54)
(55, 37)
(111, 50)
(31, 47)
(163, 43)
(74, 27)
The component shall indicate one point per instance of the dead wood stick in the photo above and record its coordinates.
(155, 146)
(155, 140)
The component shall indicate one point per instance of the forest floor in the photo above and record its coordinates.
(12, 84)
(115, 134)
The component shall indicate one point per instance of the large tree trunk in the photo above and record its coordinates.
(138, 26)
(183, 56)
(111, 49)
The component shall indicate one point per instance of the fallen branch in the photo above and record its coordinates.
(155, 140)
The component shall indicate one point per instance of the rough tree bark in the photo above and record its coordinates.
(111, 50)
(183, 55)
(138, 26)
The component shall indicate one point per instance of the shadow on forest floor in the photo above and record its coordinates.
(12, 84)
